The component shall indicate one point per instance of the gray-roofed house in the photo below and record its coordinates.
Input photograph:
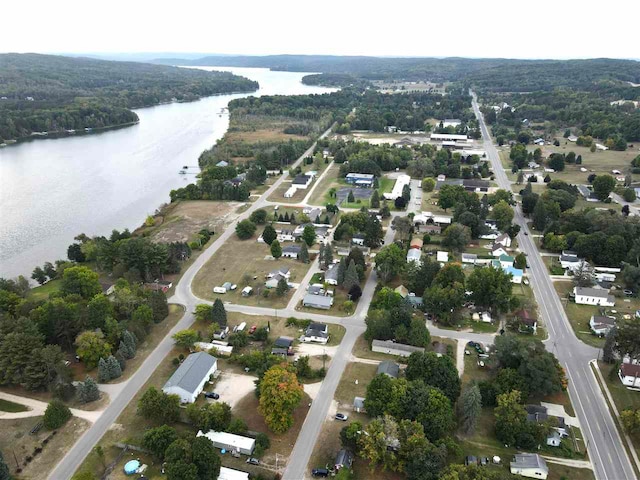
(474, 185)
(388, 368)
(222, 163)
(392, 348)
(471, 258)
(344, 459)
(601, 325)
(273, 281)
(331, 275)
(317, 301)
(587, 193)
(358, 404)
(414, 301)
(302, 181)
(316, 332)
(188, 380)
(593, 296)
(358, 239)
(292, 251)
(529, 465)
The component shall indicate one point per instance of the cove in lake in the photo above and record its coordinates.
(54, 189)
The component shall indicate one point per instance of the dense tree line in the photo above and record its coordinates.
(54, 93)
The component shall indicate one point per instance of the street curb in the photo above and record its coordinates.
(612, 406)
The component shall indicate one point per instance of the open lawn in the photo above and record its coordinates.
(237, 259)
(430, 204)
(7, 406)
(278, 194)
(260, 135)
(347, 389)
(17, 443)
(43, 291)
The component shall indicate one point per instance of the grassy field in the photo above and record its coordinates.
(237, 258)
(42, 292)
(7, 406)
(16, 440)
(347, 389)
(430, 204)
(261, 135)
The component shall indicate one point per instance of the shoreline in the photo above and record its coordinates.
(57, 134)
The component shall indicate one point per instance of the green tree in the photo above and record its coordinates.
(390, 262)
(38, 275)
(259, 216)
(520, 261)
(87, 391)
(185, 338)
(280, 394)
(158, 439)
(269, 234)
(540, 216)
(205, 458)
(511, 417)
(349, 435)
(351, 277)
(436, 371)
(81, 281)
(603, 185)
(99, 309)
(309, 235)
(503, 214)
(203, 312)
(56, 415)
(374, 201)
(218, 313)
(245, 229)
(350, 197)
(304, 253)
(470, 408)
(342, 270)
(91, 346)
(429, 406)
(276, 249)
(159, 305)
(282, 287)
(491, 289)
(384, 396)
(627, 334)
(451, 195)
(159, 407)
(428, 184)
(443, 302)
(115, 370)
(456, 237)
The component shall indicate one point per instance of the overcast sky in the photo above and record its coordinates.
(466, 28)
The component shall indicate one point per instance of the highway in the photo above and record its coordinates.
(606, 449)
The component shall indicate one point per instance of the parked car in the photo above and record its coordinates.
(342, 417)
(320, 472)
(253, 461)
(234, 286)
(484, 461)
(213, 395)
(627, 292)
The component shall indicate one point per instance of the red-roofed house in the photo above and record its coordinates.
(629, 374)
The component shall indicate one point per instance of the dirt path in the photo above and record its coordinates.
(37, 408)
(233, 387)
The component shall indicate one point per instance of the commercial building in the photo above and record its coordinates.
(188, 380)
(401, 181)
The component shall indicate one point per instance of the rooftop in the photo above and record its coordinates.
(529, 460)
(396, 346)
(391, 369)
(591, 292)
(190, 374)
(630, 370)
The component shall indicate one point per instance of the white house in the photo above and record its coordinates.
(282, 271)
(401, 181)
(188, 380)
(529, 465)
(442, 257)
(593, 296)
(471, 258)
(317, 301)
(286, 236)
(497, 250)
(490, 236)
(554, 439)
(317, 333)
(506, 261)
(392, 348)
(302, 181)
(358, 239)
(601, 325)
(451, 122)
(291, 191)
(292, 251)
(230, 441)
(569, 260)
(331, 275)
(629, 374)
(232, 474)
(414, 255)
(503, 239)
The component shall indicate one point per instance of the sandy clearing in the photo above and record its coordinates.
(313, 349)
(232, 387)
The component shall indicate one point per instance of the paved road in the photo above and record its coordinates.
(605, 446)
(183, 296)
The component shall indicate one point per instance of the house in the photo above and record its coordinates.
(406, 142)
(471, 258)
(214, 348)
(474, 185)
(539, 141)
(291, 191)
(273, 281)
(485, 317)
(231, 474)
(302, 181)
(392, 348)
(292, 251)
(526, 322)
(358, 404)
(361, 180)
(344, 459)
(490, 236)
(401, 181)
(316, 332)
(220, 334)
(629, 374)
(188, 380)
(554, 439)
(593, 296)
(442, 257)
(448, 137)
(331, 275)
(601, 325)
(222, 163)
(317, 301)
(282, 271)
(247, 291)
(529, 465)
(516, 274)
(313, 213)
(497, 250)
(503, 239)
(416, 243)
(402, 291)
(388, 368)
(506, 261)
(430, 229)
(286, 236)
(451, 122)
(587, 193)
(414, 255)
(358, 239)
(569, 259)
(315, 289)
(572, 138)
(415, 302)
(491, 224)
(230, 441)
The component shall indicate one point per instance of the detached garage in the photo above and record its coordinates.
(188, 381)
(230, 441)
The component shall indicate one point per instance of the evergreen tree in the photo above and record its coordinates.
(269, 234)
(540, 216)
(88, 390)
(350, 197)
(276, 249)
(103, 371)
(218, 313)
(351, 276)
(122, 361)
(304, 253)
(342, 270)
(56, 415)
(131, 341)
(4, 469)
(286, 216)
(375, 199)
(608, 351)
(159, 305)
(292, 218)
(125, 350)
(471, 408)
(282, 287)
(328, 255)
(113, 367)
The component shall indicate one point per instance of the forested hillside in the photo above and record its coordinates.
(48, 93)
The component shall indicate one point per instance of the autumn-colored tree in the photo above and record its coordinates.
(280, 394)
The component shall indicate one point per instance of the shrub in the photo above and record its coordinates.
(56, 415)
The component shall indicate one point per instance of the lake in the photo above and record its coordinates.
(51, 190)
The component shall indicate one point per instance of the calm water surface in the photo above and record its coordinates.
(52, 190)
